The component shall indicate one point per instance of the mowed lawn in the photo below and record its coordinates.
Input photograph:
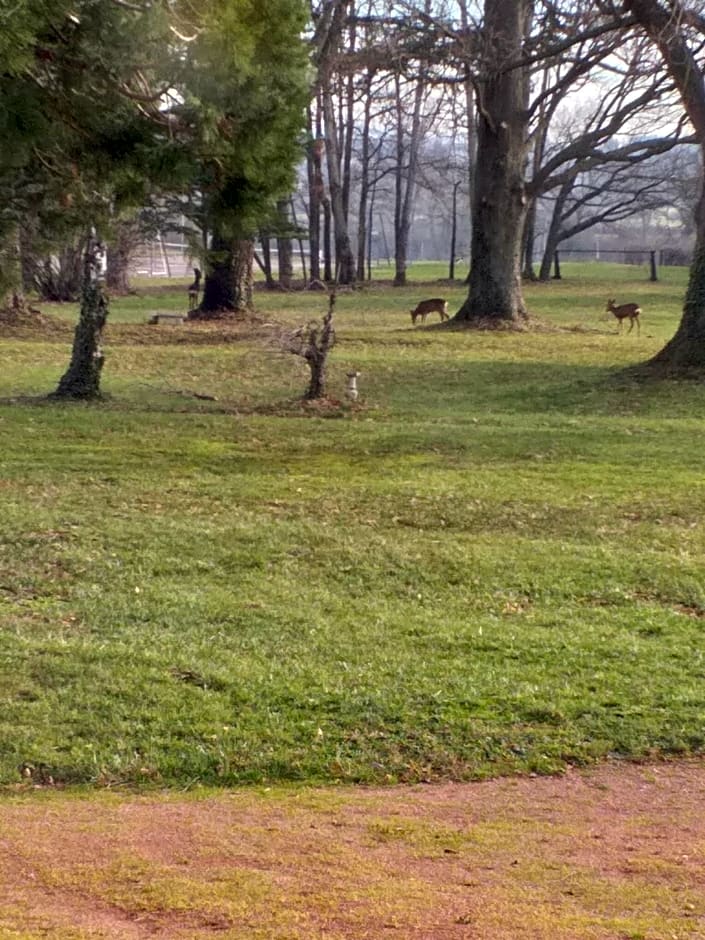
(493, 563)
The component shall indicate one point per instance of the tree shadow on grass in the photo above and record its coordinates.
(571, 390)
(457, 389)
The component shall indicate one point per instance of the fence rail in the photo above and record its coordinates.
(640, 252)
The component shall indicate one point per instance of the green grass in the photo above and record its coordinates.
(493, 565)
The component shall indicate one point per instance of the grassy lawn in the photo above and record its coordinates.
(493, 564)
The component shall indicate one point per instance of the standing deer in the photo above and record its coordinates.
(193, 289)
(435, 305)
(622, 312)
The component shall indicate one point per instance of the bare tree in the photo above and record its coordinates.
(601, 196)
(406, 169)
(313, 342)
(330, 19)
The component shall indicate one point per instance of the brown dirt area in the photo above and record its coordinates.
(613, 852)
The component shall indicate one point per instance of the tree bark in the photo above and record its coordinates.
(495, 295)
(684, 354)
(315, 198)
(406, 171)
(344, 260)
(554, 236)
(267, 262)
(229, 280)
(243, 278)
(327, 251)
(117, 277)
(319, 343)
(285, 261)
(364, 176)
(327, 41)
(82, 378)
(529, 243)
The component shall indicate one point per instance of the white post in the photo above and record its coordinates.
(351, 390)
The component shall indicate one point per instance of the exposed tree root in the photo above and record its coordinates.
(656, 370)
(223, 314)
(527, 324)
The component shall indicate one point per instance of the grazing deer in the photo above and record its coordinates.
(435, 305)
(193, 289)
(622, 312)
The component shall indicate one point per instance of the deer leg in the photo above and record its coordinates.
(631, 325)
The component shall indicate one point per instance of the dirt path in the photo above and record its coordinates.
(617, 852)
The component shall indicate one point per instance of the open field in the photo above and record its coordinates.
(493, 564)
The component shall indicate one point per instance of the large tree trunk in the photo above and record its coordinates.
(229, 281)
(82, 378)
(684, 354)
(495, 294)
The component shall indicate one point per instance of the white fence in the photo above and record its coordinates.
(160, 258)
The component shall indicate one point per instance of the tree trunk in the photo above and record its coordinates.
(267, 261)
(117, 278)
(229, 281)
(406, 171)
(370, 227)
(348, 98)
(344, 260)
(284, 250)
(453, 231)
(495, 296)
(28, 230)
(316, 195)
(319, 344)
(117, 275)
(327, 251)
(470, 116)
(684, 354)
(243, 253)
(364, 176)
(554, 236)
(82, 378)
(529, 241)
(299, 241)
(218, 290)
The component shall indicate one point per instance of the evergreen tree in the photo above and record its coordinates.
(245, 88)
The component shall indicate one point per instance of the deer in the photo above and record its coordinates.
(435, 305)
(623, 311)
(193, 289)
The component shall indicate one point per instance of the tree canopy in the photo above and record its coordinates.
(107, 100)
